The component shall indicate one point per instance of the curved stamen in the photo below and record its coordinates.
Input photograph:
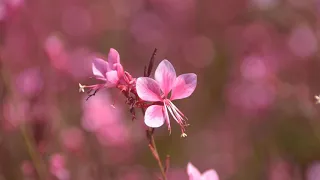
(166, 117)
(176, 114)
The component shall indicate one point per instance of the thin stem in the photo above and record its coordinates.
(166, 168)
(36, 159)
(153, 149)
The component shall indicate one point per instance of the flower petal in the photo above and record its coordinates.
(193, 172)
(148, 89)
(165, 74)
(113, 57)
(112, 77)
(154, 116)
(210, 175)
(119, 69)
(99, 67)
(184, 86)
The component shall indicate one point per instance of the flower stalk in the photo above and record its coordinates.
(154, 151)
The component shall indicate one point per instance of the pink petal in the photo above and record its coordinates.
(184, 86)
(193, 172)
(166, 76)
(113, 56)
(119, 69)
(148, 89)
(154, 116)
(112, 77)
(99, 67)
(210, 175)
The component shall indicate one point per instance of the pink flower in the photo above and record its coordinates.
(58, 167)
(72, 139)
(165, 88)
(27, 169)
(110, 72)
(194, 173)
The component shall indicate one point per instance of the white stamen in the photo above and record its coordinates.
(81, 87)
(176, 113)
(167, 117)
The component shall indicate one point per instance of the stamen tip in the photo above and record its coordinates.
(184, 135)
(81, 87)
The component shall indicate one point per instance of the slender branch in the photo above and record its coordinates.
(154, 151)
(36, 159)
(166, 168)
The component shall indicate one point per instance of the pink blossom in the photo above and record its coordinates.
(98, 113)
(110, 72)
(159, 90)
(313, 171)
(30, 82)
(72, 139)
(58, 167)
(194, 173)
(56, 51)
(115, 134)
(27, 169)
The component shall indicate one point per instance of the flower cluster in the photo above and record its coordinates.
(154, 96)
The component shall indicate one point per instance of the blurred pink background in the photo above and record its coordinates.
(253, 115)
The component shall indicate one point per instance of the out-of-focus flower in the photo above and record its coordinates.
(135, 172)
(303, 41)
(110, 72)
(15, 113)
(313, 171)
(115, 134)
(29, 82)
(317, 97)
(64, 59)
(280, 170)
(165, 88)
(194, 173)
(55, 49)
(7, 6)
(100, 118)
(254, 68)
(58, 167)
(72, 139)
(252, 96)
(3, 10)
(98, 113)
(177, 173)
(27, 169)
